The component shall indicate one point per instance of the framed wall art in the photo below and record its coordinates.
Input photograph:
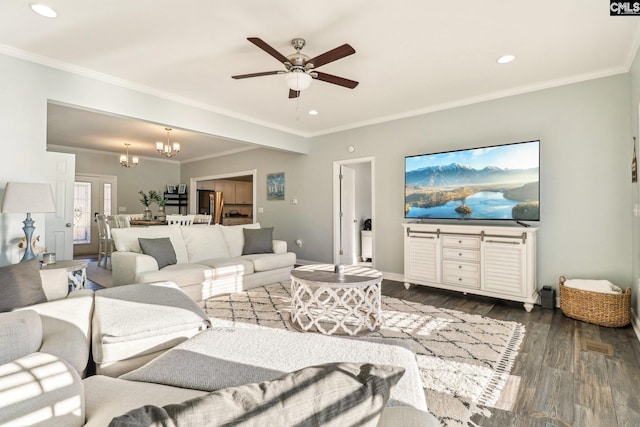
(275, 186)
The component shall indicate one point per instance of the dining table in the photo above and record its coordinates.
(146, 222)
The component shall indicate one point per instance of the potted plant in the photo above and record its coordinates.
(146, 201)
(161, 201)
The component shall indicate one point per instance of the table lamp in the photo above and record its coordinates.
(22, 197)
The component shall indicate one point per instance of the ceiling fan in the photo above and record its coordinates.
(300, 69)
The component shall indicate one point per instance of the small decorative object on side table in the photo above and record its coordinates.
(73, 267)
(328, 301)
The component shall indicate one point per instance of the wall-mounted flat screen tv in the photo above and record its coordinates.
(500, 182)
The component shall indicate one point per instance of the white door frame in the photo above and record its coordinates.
(193, 187)
(336, 204)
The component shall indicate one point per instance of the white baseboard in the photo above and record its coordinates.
(306, 262)
(397, 277)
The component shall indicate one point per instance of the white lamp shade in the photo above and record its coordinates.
(22, 197)
(298, 80)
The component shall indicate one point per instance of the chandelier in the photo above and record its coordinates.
(124, 159)
(168, 149)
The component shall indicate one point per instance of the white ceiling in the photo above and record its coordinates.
(412, 57)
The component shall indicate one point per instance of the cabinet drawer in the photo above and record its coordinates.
(461, 242)
(465, 268)
(461, 254)
(467, 279)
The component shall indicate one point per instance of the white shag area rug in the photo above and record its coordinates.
(464, 359)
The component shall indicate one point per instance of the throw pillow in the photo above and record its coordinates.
(258, 241)
(161, 249)
(21, 285)
(333, 394)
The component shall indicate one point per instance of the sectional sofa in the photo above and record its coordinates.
(131, 335)
(209, 259)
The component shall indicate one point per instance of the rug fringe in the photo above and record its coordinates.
(492, 391)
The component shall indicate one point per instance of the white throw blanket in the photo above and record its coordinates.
(228, 357)
(601, 286)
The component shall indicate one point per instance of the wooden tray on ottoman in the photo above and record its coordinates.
(612, 310)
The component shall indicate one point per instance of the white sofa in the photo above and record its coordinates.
(41, 376)
(209, 259)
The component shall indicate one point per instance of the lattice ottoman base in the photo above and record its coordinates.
(351, 309)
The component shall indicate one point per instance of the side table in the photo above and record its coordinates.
(72, 267)
(330, 302)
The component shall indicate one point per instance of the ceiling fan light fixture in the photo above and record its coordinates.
(298, 80)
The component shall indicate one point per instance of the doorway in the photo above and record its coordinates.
(238, 191)
(92, 195)
(353, 213)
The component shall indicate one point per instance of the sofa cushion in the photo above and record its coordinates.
(40, 389)
(134, 320)
(21, 285)
(107, 397)
(333, 394)
(126, 239)
(229, 267)
(160, 249)
(266, 262)
(257, 241)
(20, 334)
(205, 242)
(181, 274)
(234, 236)
(66, 327)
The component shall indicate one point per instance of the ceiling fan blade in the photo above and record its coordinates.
(294, 93)
(271, 51)
(340, 81)
(332, 55)
(264, 73)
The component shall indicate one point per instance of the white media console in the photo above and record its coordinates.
(498, 262)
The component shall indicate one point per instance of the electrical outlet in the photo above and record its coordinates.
(299, 243)
(260, 210)
(294, 201)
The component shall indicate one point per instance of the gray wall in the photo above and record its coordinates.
(585, 184)
(150, 174)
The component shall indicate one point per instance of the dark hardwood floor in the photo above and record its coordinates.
(554, 382)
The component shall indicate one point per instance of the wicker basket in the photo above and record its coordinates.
(612, 310)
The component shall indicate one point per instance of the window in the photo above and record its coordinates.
(82, 212)
(106, 191)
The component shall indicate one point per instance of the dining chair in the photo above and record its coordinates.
(202, 219)
(180, 219)
(105, 242)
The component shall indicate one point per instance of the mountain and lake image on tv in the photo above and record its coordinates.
(500, 182)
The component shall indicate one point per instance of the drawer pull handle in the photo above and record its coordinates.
(459, 241)
(460, 254)
(459, 266)
(459, 279)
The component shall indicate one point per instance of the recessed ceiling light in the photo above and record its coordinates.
(43, 10)
(506, 59)
(313, 112)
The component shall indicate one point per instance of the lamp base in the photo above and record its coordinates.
(28, 232)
